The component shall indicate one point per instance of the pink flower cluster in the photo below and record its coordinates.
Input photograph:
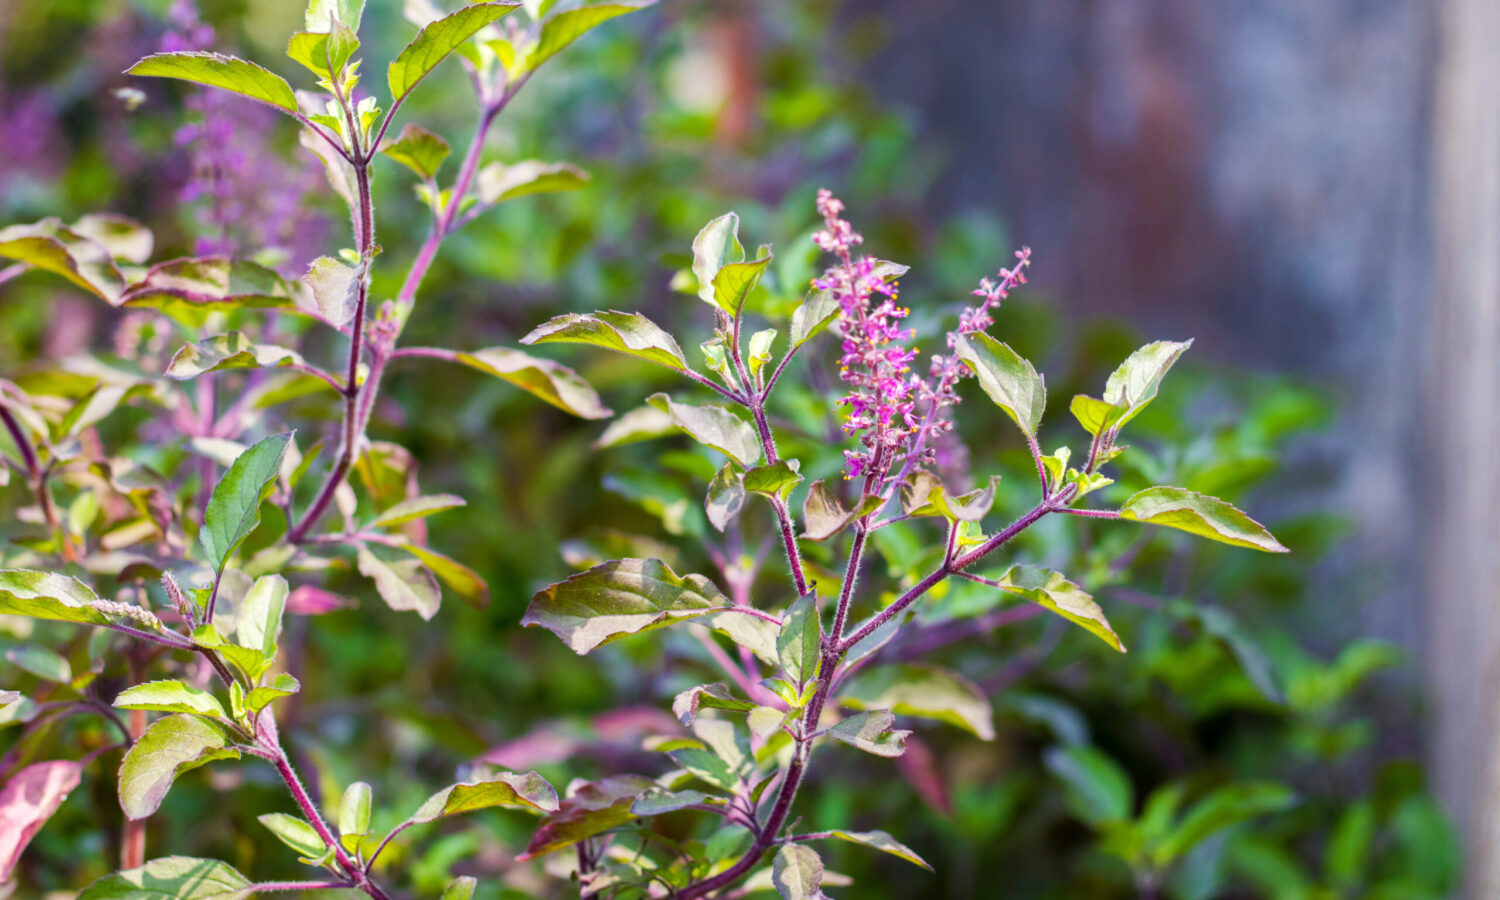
(875, 363)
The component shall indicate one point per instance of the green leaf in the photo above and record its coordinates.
(884, 842)
(170, 696)
(49, 246)
(621, 598)
(231, 350)
(799, 646)
(872, 732)
(1053, 592)
(404, 584)
(124, 238)
(459, 578)
(295, 833)
(1199, 514)
(191, 290)
(750, 631)
(823, 516)
(252, 662)
(707, 765)
(1225, 807)
(169, 747)
(726, 496)
(1134, 384)
(923, 494)
(628, 333)
(553, 382)
(1347, 856)
(322, 13)
(1007, 378)
(417, 508)
(354, 810)
(521, 791)
(591, 808)
(714, 427)
(566, 27)
(657, 802)
(1099, 791)
(217, 70)
(334, 288)
(735, 281)
(172, 878)
(435, 41)
(258, 621)
(774, 480)
(498, 182)
(461, 888)
(283, 685)
(43, 662)
(758, 355)
(418, 149)
(715, 696)
(925, 691)
(45, 595)
(234, 508)
(717, 243)
(323, 53)
(797, 873)
(812, 317)
(640, 424)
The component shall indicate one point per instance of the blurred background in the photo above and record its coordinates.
(1310, 190)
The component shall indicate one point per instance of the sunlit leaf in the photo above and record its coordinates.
(217, 70)
(553, 382)
(169, 747)
(1199, 514)
(623, 332)
(435, 41)
(925, 691)
(621, 598)
(172, 878)
(234, 508)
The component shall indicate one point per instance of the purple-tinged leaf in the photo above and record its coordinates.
(27, 801)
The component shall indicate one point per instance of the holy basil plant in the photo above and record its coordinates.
(186, 567)
(801, 654)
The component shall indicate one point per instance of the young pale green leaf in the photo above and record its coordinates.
(48, 246)
(754, 633)
(354, 810)
(323, 53)
(170, 696)
(258, 621)
(1228, 806)
(764, 721)
(774, 480)
(726, 496)
(43, 662)
(758, 354)
(123, 237)
(435, 41)
(716, 245)
(1007, 378)
(923, 494)
(253, 663)
(404, 584)
(169, 747)
(707, 765)
(621, 598)
(884, 842)
(812, 317)
(217, 70)
(628, 333)
(1099, 790)
(591, 808)
(566, 27)
(498, 182)
(459, 578)
(460, 888)
(418, 149)
(528, 791)
(714, 696)
(333, 285)
(283, 685)
(925, 691)
(1199, 514)
(234, 508)
(823, 516)
(417, 508)
(295, 833)
(734, 282)
(799, 646)
(173, 878)
(553, 382)
(714, 427)
(797, 873)
(1053, 592)
(1134, 384)
(231, 350)
(321, 14)
(872, 732)
(643, 423)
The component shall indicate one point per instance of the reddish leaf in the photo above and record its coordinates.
(27, 802)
